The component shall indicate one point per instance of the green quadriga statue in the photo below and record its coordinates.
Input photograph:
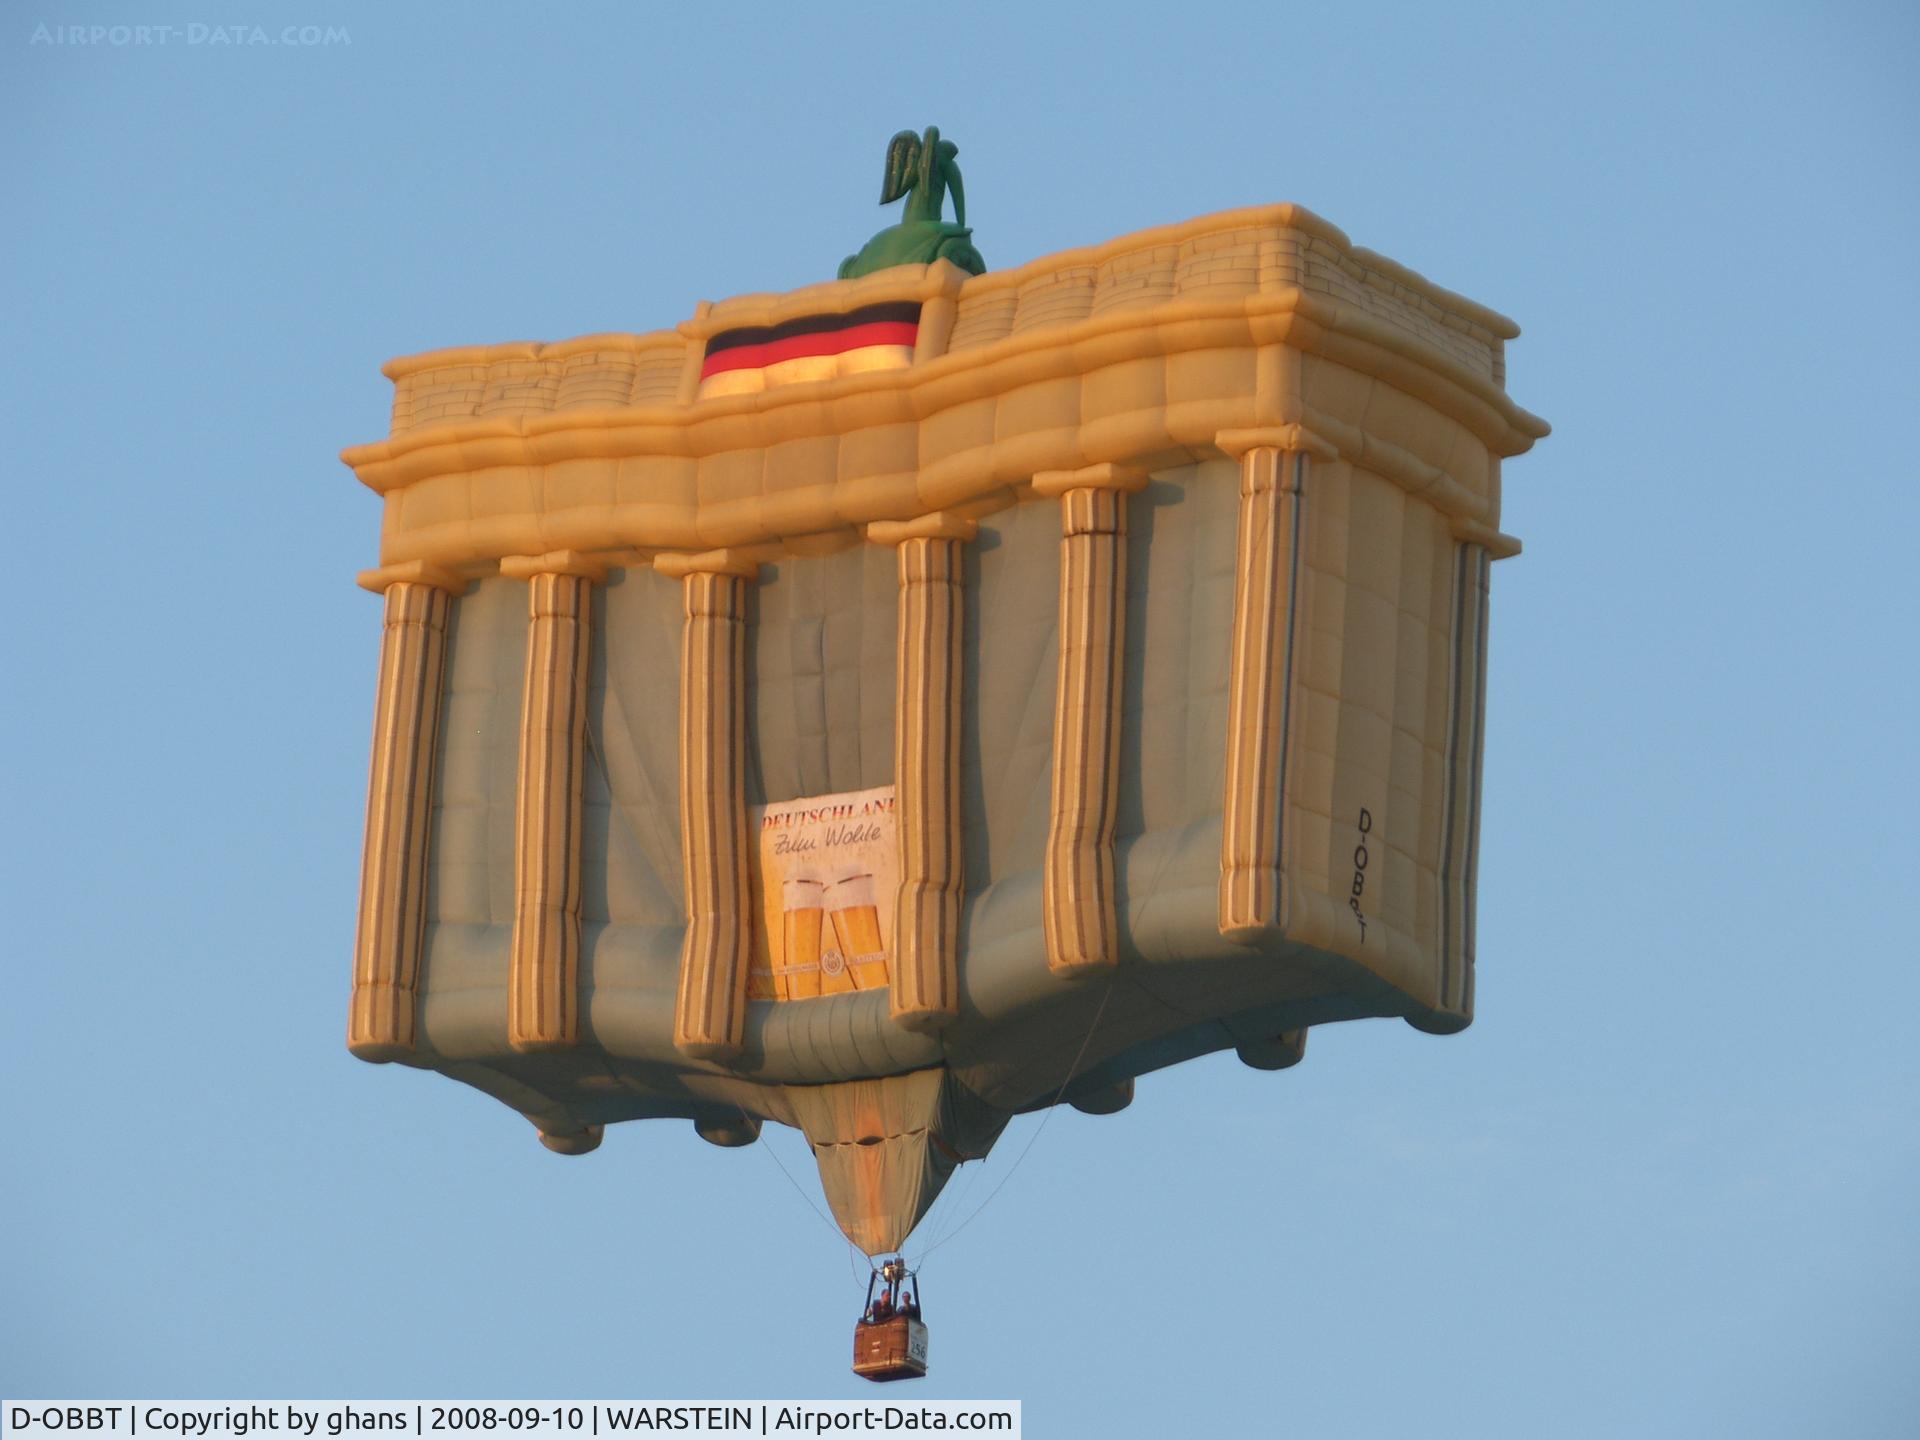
(922, 168)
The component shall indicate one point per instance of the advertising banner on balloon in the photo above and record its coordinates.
(825, 868)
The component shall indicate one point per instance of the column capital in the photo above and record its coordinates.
(940, 525)
(556, 562)
(1237, 443)
(1500, 546)
(412, 572)
(1108, 476)
(727, 561)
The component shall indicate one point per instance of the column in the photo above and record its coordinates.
(711, 1015)
(1460, 812)
(926, 766)
(543, 974)
(1079, 913)
(391, 930)
(1267, 566)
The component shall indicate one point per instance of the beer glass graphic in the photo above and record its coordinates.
(836, 964)
(856, 926)
(761, 984)
(797, 976)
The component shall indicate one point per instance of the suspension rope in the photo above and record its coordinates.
(1038, 1130)
(952, 1201)
(853, 1251)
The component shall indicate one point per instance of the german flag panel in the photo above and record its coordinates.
(814, 347)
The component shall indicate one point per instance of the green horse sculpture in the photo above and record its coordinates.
(922, 168)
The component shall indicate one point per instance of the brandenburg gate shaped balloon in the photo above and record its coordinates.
(907, 701)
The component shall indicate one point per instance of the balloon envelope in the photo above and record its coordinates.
(1069, 672)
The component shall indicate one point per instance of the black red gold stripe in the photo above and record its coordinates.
(894, 323)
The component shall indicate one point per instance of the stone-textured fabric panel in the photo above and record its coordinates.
(821, 675)
(1366, 793)
(1343, 697)
(633, 908)
(479, 758)
(470, 895)
(632, 836)
(1179, 622)
(1006, 689)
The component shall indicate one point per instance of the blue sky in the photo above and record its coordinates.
(1667, 1183)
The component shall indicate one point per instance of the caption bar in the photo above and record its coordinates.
(544, 1420)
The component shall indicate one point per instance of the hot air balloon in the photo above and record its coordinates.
(894, 705)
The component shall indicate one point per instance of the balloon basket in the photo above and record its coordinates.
(893, 1349)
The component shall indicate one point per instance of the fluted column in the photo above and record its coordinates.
(1460, 813)
(926, 766)
(1078, 909)
(711, 1015)
(1267, 565)
(543, 975)
(391, 930)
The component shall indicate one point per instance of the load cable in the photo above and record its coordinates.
(1039, 1130)
(751, 1121)
(606, 775)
